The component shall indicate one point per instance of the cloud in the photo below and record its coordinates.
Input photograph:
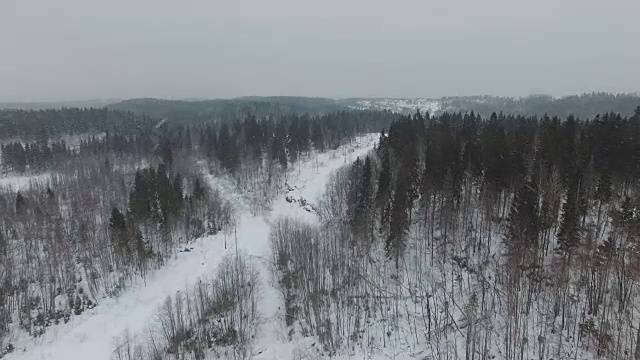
(78, 49)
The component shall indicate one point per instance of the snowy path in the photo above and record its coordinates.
(91, 334)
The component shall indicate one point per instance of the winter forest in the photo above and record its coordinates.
(331, 232)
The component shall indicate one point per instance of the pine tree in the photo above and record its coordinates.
(603, 187)
(455, 173)
(167, 152)
(178, 192)
(142, 248)
(522, 236)
(353, 178)
(317, 136)
(227, 149)
(198, 190)
(570, 230)
(140, 197)
(496, 152)
(384, 188)
(364, 193)
(119, 234)
(399, 222)
(50, 193)
(384, 177)
(21, 204)
(4, 246)
(164, 192)
(411, 171)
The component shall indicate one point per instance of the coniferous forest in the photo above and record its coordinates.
(458, 236)
(505, 237)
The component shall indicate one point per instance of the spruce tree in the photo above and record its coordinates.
(21, 204)
(384, 177)
(198, 190)
(364, 191)
(353, 180)
(4, 246)
(140, 197)
(523, 229)
(227, 149)
(570, 230)
(119, 233)
(167, 152)
(399, 220)
(317, 136)
(384, 187)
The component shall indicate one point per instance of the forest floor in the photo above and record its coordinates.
(92, 334)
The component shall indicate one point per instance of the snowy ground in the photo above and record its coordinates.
(20, 183)
(91, 334)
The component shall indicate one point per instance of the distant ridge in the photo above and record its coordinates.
(227, 109)
(42, 105)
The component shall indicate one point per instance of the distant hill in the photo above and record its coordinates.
(582, 106)
(56, 104)
(226, 109)
(199, 110)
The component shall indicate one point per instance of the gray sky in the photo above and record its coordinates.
(85, 49)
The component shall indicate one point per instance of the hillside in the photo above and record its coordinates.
(43, 105)
(584, 106)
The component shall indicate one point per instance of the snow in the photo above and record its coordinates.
(91, 335)
(404, 106)
(22, 183)
(159, 124)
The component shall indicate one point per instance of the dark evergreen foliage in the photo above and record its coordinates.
(523, 231)
(22, 124)
(549, 169)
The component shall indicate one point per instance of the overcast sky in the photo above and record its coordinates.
(88, 49)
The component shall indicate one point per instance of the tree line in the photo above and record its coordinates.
(227, 110)
(28, 125)
(36, 156)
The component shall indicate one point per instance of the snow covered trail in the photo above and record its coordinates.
(91, 334)
(308, 184)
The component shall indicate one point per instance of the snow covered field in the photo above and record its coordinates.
(91, 335)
